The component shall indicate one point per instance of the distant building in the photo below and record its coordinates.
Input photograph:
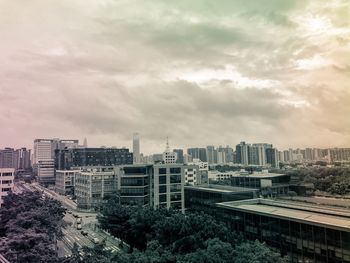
(180, 155)
(136, 148)
(83, 157)
(44, 155)
(272, 157)
(6, 182)
(242, 153)
(169, 156)
(211, 154)
(198, 153)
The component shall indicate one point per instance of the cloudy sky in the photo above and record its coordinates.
(199, 71)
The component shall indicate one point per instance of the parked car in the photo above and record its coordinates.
(96, 240)
(79, 220)
(79, 226)
(84, 233)
(69, 211)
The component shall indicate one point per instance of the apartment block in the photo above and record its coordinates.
(6, 182)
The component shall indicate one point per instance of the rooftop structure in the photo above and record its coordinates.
(306, 232)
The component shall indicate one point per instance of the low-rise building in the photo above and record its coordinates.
(6, 182)
(305, 232)
(65, 181)
(93, 184)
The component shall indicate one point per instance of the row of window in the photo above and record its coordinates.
(6, 174)
(174, 170)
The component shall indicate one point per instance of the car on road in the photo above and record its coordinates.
(79, 220)
(84, 233)
(69, 211)
(95, 240)
(79, 226)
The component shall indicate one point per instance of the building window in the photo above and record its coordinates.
(175, 197)
(162, 198)
(162, 189)
(162, 170)
(162, 179)
(176, 170)
(175, 179)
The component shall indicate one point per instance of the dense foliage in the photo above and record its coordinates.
(335, 180)
(169, 236)
(29, 226)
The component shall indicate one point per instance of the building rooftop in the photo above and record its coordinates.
(254, 175)
(219, 188)
(331, 217)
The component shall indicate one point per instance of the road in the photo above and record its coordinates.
(71, 234)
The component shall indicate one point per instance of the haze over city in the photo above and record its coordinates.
(200, 72)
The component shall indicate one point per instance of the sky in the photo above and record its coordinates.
(201, 72)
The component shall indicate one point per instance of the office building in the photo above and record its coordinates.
(65, 181)
(304, 232)
(93, 184)
(204, 197)
(44, 156)
(201, 169)
(156, 185)
(136, 148)
(134, 184)
(180, 155)
(83, 157)
(46, 171)
(6, 182)
(168, 186)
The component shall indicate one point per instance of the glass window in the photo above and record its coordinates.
(162, 198)
(176, 178)
(162, 189)
(162, 170)
(162, 179)
(176, 170)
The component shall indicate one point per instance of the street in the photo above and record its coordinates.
(70, 232)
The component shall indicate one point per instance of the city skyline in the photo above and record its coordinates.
(199, 72)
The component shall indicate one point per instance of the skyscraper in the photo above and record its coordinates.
(136, 147)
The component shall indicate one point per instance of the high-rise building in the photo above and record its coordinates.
(136, 147)
(7, 158)
(180, 155)
(198, 153)
(44, 157)
(6, 182)
(211, 154)
(242, 153)
(272, 157)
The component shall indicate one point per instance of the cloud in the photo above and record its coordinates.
(200, 72)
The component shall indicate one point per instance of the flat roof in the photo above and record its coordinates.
(329, 217)
(219, 188)
(254, 175)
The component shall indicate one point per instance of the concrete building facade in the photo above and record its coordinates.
(6, 182)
